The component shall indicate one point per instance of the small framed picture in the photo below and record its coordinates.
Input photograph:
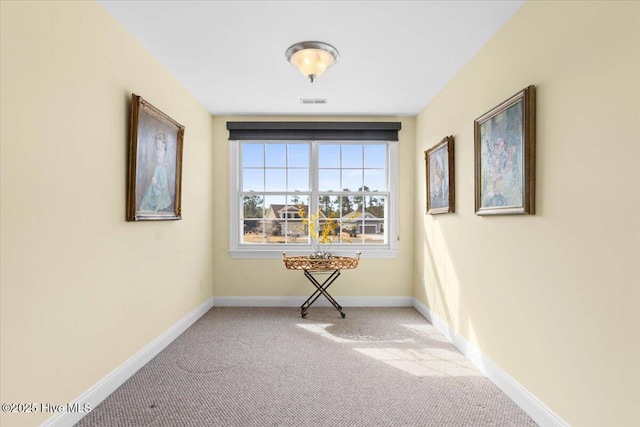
(155, 164)
(440, 177)
(505, 143)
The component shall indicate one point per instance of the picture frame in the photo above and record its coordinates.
(155, 164)
(504, 150)
(440, 177)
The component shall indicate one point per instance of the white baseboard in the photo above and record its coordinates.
(537, 410)
(321, 302)
(111, 382)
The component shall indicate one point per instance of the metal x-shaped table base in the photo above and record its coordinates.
(321, 289)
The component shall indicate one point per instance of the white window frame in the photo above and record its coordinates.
(237, 249)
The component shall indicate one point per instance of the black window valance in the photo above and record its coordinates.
(314, 131)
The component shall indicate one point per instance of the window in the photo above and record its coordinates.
(278, 184)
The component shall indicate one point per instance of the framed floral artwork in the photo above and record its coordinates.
(505, 143)
(155, 164)
(440, 177)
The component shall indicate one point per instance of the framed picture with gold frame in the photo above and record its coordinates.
(440, 177)
(505, 153)
(155, 164)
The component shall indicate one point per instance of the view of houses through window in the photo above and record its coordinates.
(344, 186)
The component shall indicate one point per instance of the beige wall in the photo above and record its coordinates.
(268, 277)
(83, 290)
(553, 299)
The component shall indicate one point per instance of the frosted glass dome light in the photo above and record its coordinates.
(312, 58)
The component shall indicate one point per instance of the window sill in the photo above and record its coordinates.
(273, 253)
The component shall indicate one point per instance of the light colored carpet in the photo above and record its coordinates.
(269, 367)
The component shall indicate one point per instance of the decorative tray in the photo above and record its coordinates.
(316, 264)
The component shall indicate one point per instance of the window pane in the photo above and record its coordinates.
(253, 180)
(374, 207)
(276, 179)
(296, 232)
(275, 231)
(298, 202)
(275, 219)
(328, 156)
(298, 179)
(375, 156)
(351, 156)
(278, 199)
(273, 205)
(349, 207)
(373, 231)
(253, 206)
(298, 155)
(328, 232)
(375, 180)
(276, 155)
(252, 155)
(252, 231)
(349, 231)
(329, 180)
(329, 205)
(352, 179)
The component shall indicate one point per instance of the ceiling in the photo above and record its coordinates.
(395, 56)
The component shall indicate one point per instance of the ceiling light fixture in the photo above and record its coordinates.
(312, 58)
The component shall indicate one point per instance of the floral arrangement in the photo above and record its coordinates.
(320, 241)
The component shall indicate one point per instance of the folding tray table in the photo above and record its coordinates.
(311, 266)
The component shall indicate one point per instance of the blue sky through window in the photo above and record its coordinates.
(285, 167)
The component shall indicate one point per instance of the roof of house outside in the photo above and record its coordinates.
(357, 214)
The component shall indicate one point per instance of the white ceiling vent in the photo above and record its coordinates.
(313, 101)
